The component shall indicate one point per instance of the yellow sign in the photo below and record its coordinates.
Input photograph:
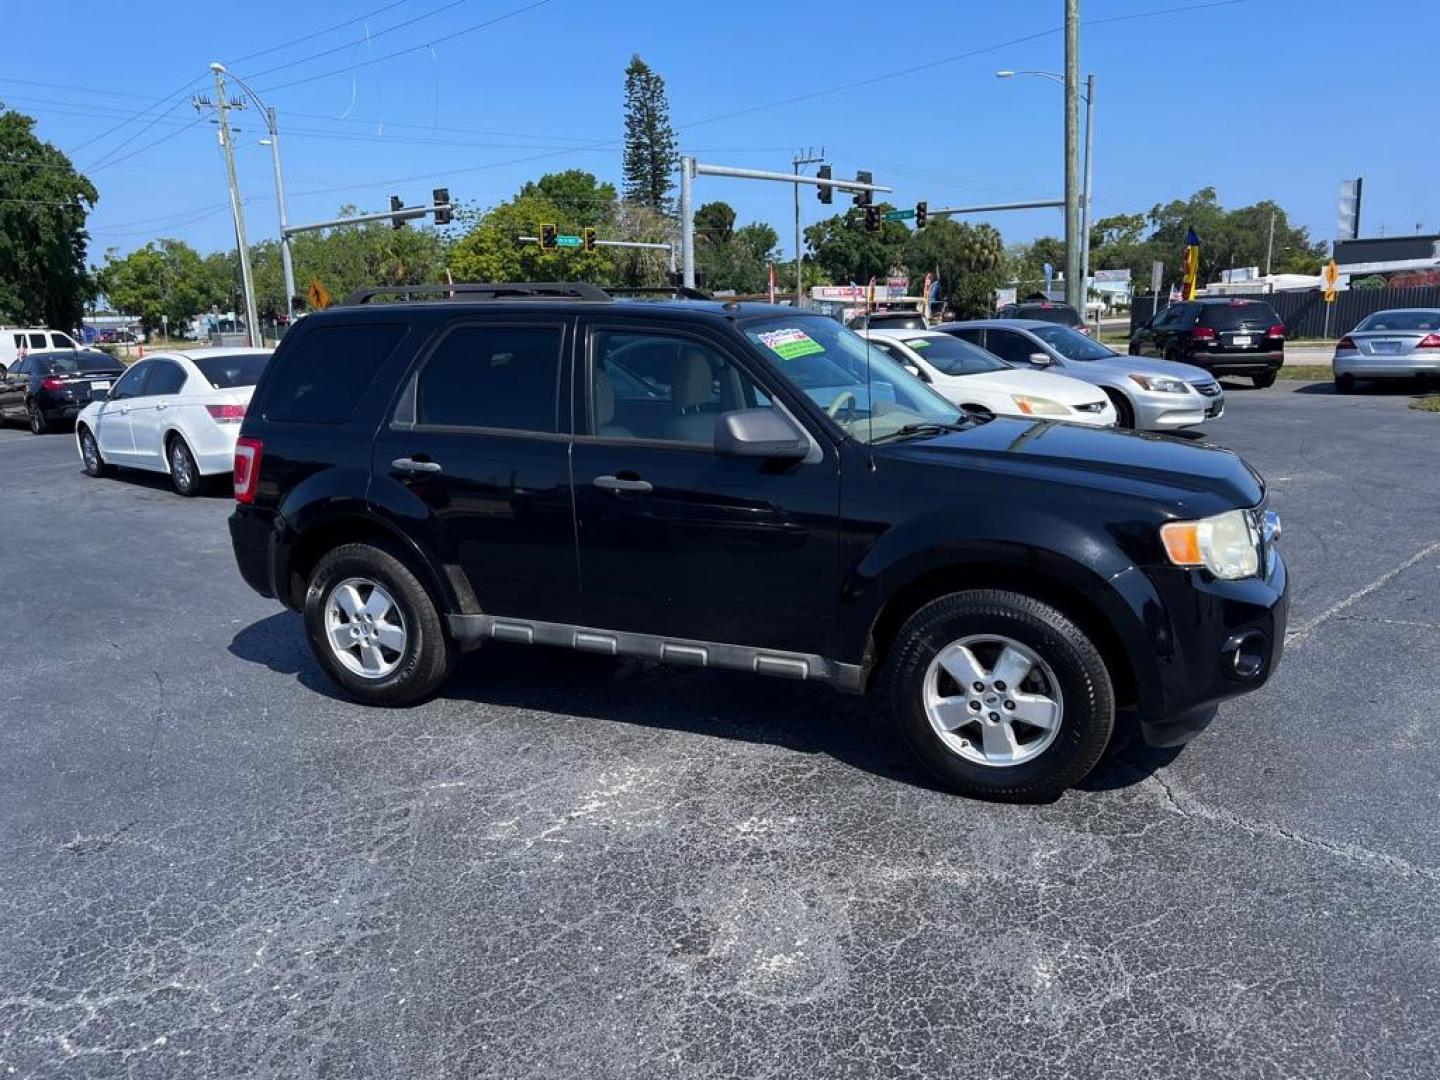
(318, 295)
(1330, 275)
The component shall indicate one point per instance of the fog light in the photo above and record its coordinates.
(1246, 653)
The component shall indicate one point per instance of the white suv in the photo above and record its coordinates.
(18, 341)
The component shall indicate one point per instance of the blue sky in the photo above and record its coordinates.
(1261, 99)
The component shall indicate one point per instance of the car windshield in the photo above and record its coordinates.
(236, 369)
(869, 395)
(952, 356)
(1401, 320)
(1072, 345)
(896, 320)
(74, 363)
(1238, 313)
(1055, 313)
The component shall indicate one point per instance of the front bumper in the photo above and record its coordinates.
(1217, 640)
(1156, 411)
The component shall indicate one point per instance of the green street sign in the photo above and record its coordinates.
(899, 215)
(567, 241)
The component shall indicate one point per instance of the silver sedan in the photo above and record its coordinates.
(1402, 343)
(1151, 395)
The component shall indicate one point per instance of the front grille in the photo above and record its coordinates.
(1208, 389)
(1092, 406)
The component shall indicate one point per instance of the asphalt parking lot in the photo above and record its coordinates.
(573, 867)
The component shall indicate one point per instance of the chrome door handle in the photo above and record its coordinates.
(161, 405)
(614, 483)
(410, 465)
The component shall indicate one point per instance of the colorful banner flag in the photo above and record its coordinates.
(925, 294)
(772, 283)
(1192, 263)
(870, 295)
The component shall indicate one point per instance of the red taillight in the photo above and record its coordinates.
(247, 468)
(52, 384)
(226, 414)
(1429, 341)
(1346, 342)
(1202, 333)
(1278, 330)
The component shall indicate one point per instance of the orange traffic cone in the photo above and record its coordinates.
(142, 350)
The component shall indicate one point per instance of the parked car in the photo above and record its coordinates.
(44, 389)
(1151, 395)
(980, 382)
(18, 341)
(1223, 335)
(745, 486)
(888, 320)
(1400, 343)
(1045, 311)
(173, 412)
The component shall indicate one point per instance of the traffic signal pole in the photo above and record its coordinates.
(807, 158)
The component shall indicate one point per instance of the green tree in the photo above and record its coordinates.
(649, 155)
(714, 223)
(846, 251)
(969, 259)
(43, 279)
(641, 267)
(588, 201)
(1027, 262)
(166, 279)
(491, 250)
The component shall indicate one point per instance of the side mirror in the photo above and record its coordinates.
(914, 369)
(759, 433)
(1040, 359)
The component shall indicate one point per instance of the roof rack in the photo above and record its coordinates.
(678, 291)
(518, 290)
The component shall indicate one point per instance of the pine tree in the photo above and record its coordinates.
(649, 139)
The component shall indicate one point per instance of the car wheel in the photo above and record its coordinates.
(1264, 382)
(1124, 411)
(185, 476)
(38, 424)
(94, 464)
(374, 628)
(1344, 384)
(1000, 695)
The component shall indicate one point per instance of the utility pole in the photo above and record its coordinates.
(285, 258)
(687, 219)
(227, 144)
(1085, 215)
(1073, 284)
(1270, 244)
(806, 157)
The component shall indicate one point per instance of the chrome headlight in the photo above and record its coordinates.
(1162, 383)
(1227, 544)
(1039, 406)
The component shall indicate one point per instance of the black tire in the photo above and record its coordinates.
(38, 424)
(427, 656)
(1124, 411)
(1087, 715)
(90, 458)
(1264, 382)
(185, 475)
(1344, 384)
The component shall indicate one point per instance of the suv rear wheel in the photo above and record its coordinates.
(1000, 695)
(1265, 381)
(374, 628)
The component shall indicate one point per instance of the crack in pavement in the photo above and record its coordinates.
(1300, 632)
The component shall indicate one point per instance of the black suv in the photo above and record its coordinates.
(1223, 335)
(752, 487)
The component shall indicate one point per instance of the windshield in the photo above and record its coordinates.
(951, 356)
(237, 369)
(72, 363)
(1072, 345)
(866, 393)
(1401, 320)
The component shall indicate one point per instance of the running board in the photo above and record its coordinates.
(785, 665)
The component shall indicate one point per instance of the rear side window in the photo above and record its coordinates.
(505, 377)
(1234, 316)
(165, 378)
(323, 378)
(37, 341)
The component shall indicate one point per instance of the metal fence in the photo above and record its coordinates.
(1304, 314)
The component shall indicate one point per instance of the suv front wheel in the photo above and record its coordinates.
(374, 628)
(1000, 695)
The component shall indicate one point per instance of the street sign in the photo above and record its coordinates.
(1157, 274)
(565, 240)
(899, 215)
(1331, 277)
(319, 295)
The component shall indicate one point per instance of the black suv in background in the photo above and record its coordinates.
(1044, 311)
(1223, 335)
(750, 487)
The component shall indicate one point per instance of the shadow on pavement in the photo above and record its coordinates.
(805, 718)
(216, 487)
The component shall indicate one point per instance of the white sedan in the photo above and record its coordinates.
(172, 412)
(968, 376)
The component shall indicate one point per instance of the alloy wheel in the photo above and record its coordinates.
(364, 628)
(993, 701)
(180, 466)
(90, 452)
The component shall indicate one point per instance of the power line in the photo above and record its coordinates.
(359, 41)
(136, 116)
(317, 33)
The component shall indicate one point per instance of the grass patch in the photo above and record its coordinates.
(1428, 403)
(1322, 372)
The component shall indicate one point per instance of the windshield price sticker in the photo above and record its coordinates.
(918, 343)
(788, 344)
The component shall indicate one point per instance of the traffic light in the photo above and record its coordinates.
(825, 193)
(864, 198)
(922, 211)
(587, 234)
(548, 234)
(872, 219)
(395, 207)
(441, 197)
